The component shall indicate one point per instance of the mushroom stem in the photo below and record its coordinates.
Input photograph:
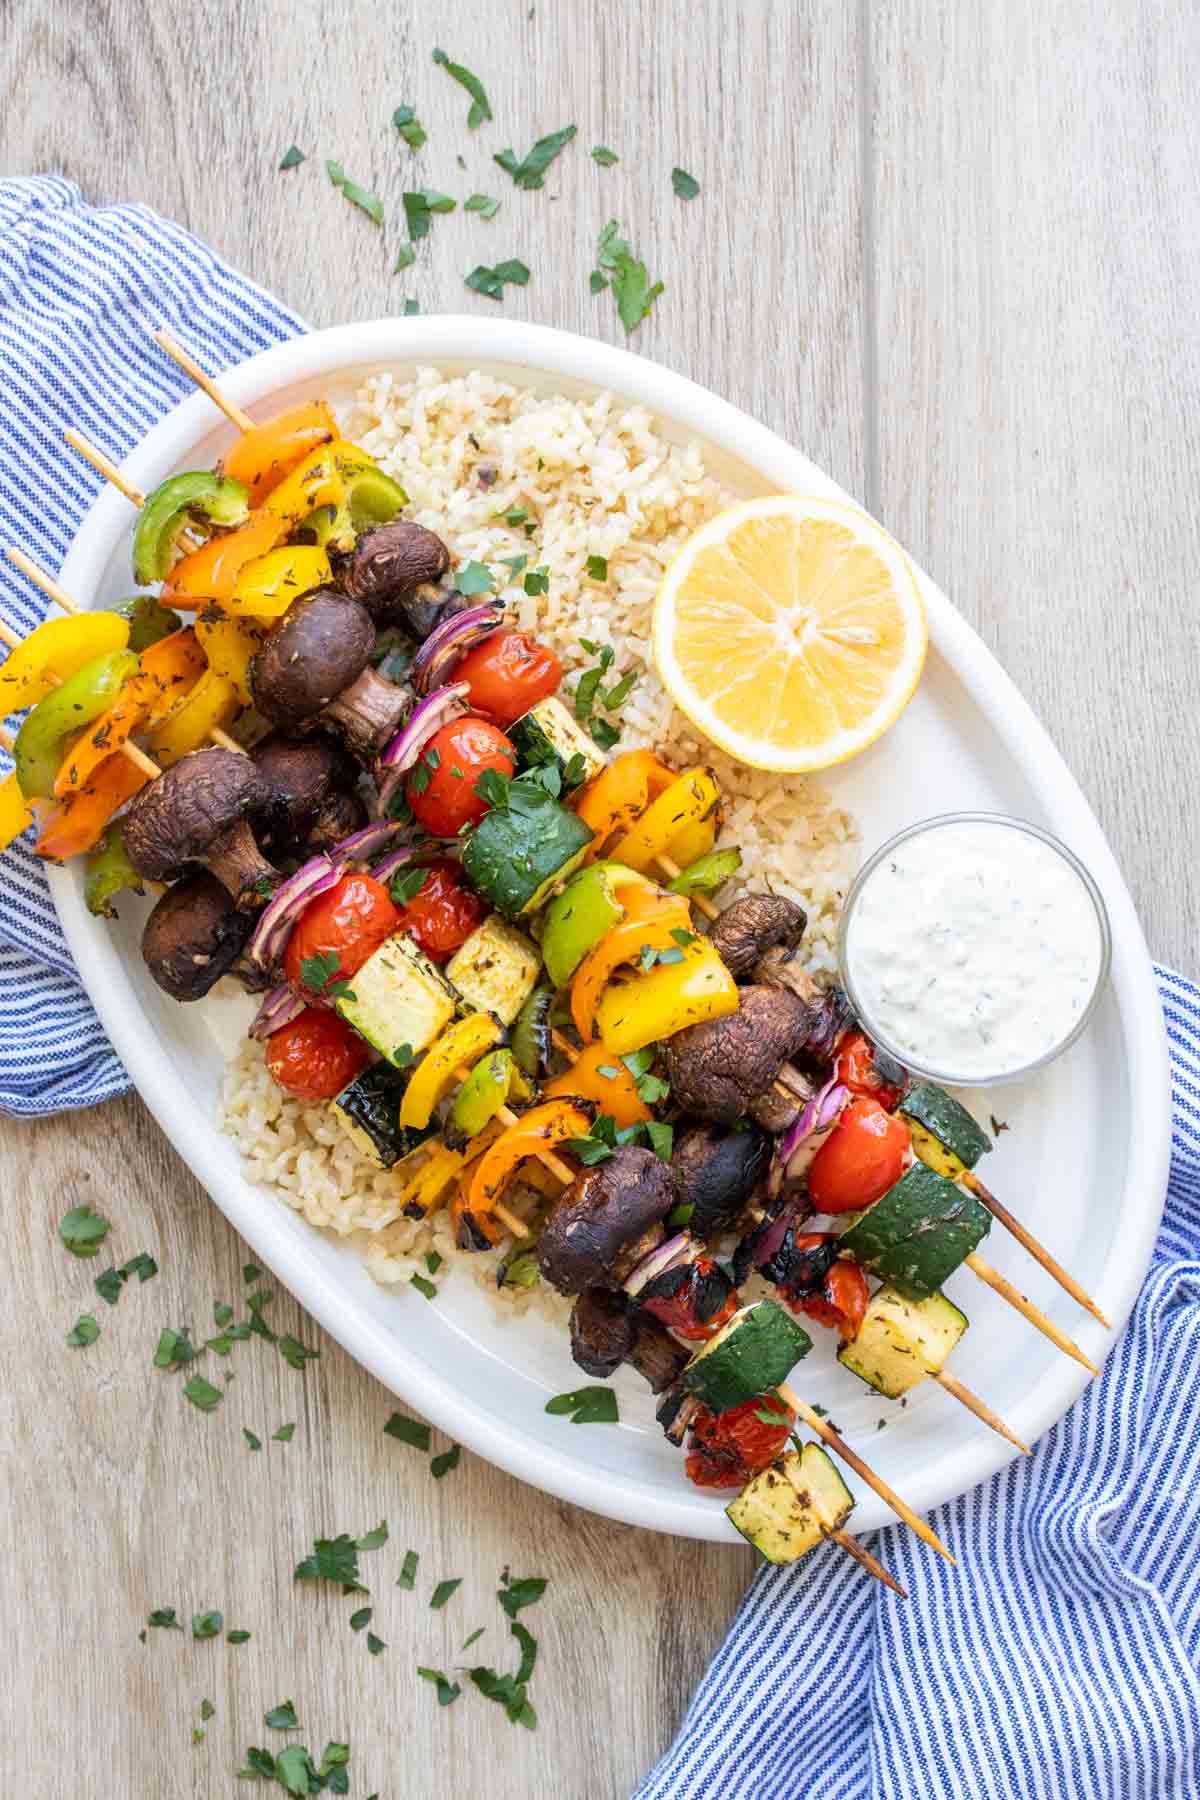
(788, 1076)
(239, 865)
(368, 713)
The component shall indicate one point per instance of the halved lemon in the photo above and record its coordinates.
(790, 631)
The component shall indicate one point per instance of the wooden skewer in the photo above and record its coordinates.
(700, 901)
(7, 740)
(853, 1548)
(1039, 1254)
(1001, 1285)
(129, 751)
(836, 1442)
(188, 364)
(974, 1404)
(108, 469)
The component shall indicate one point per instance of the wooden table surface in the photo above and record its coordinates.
(951, 251)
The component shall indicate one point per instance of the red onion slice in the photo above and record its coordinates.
(682, 1247)
(426, 719)
(771, 1238)
(828, 1113)
(279, 1008)
(444, 645)
(284, 908)
(820, 1115)
(361, 845)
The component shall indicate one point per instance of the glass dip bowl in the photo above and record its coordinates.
(974, 939)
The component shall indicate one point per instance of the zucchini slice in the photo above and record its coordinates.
(368, 1111)
(548, 734)
(399, 1001)
(750, 1356)
(515, 855)
(944, 1134)
(495, 970)
(789, 1508)
(923, 1229)
(902, 1342)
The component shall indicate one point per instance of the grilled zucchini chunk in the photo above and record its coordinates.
(900, 1342)
(495, 970)
(548, 734)
(923, 1229)
(944, 1134)
(792, 1506)
(368, 1111)
(399, 1001)
(517, 854)
(751, 1355)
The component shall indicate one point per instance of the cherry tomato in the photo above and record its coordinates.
(443, 912)
(507, 674)
(338, 931)
(441, 788)
(728, 1448)
(860, 1160)
(316, 1055)
(678, 1311)
(855, 1068)
(842, 1301)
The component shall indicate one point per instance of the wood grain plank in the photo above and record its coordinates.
(122, 1497)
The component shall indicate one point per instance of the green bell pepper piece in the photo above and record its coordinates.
(491, 1084)
(108, 871)
(174, 504)
(531, 1033)
(372, 498)
(82, 697)
(707, 872)
(585, 911)
(149, 620)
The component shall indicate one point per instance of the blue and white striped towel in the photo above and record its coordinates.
(1061, 1660)
(81, 291)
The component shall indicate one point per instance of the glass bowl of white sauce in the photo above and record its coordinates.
(974, 948)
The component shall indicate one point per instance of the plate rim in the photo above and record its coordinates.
(550, 351)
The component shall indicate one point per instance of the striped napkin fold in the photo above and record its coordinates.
(1061, 1659)
(82, 289)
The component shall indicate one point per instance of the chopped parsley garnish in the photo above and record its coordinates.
(408, 1431)
(442, 1465)
(292, 157)
(294, 1353)
(406, 256)
(597, 282)
(513, 1595)
(374, 1540)
(627, 276)
(522, 1271)
(480, 110)
(605, 735)
(202, 1394)
(207, 1624)
(681, 1214)
(587, 1406)
(362, 1618)
(336, 1559)
(260, 1766)
(375, 1644)
(164, 1618)
(650, 1087)
(604, 156)
(483, 204)
(686, 186)
(358, 196)
(282, 1717)
(530, 171)
(407, 885)
(252, 1438)
(284, 1434)
(410, 127)
(83, 1231)
(474, 578)
(649, 957)
(537, 581)
(421, 775)
(428, 1288)
(492, 281)
(175, 1348)
(250, 1272)
(433, 1261)
(237, 1637)
(475, 1635)
(407, 1577)
(443, 1591)
(661, 1138)
(508, 1693)
(447, 1690)
(597, 568)
(515, 564)
(411, 307)
(318, 972)
(109, 1285)
(419, 206)
(294, 1770)
(493, 787)
(258, 1324)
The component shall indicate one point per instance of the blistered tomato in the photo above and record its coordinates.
(860, 1160)
(856, 1069)
(842, 1301)
(317, 1055)
(507, 674)
(338, 931)
(443, 912)
(442, 787)
(728, 1448)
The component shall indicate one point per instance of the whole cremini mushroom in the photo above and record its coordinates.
(315, 664)
(193, 936)
(313, 803)
(717, 1068)
(393, 570)
(201, 810)
(716, 1171)
(751, 926)
(606, 1221)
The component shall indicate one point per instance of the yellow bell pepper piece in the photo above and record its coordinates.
(15, 816)
(656, 1005)
(460, 1045)
(681, 824)
(230, 646)
(267, 586)
(55, 650)
(213, 701)
(320, 480)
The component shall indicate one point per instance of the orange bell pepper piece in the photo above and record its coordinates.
(614, 798)
(262, 456)
(541, 1128)
(79, 822)
(681, 824)
(106, 734)
(175, 664)
(598, 1075)
(211, 572)
(651, 919)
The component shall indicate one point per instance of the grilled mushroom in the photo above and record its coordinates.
(602, 1331)
(315, 664)
(716, 1172)
(753, 925)
(200, 811)
(829, 1011)
(313, 804)
(606, 1221)
(717, 1068)
(655, 1355)
(393, 570)
(193, 936)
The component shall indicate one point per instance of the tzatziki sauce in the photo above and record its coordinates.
(973, 948)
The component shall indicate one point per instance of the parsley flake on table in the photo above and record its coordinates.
(480, 110)
(282, 1717)
(375, 1645)
(408, 1431)
(530, 171)
(85, 1331)
(294, 1770)
(358, 196)
(407, 1577)
(515, 1595)
(206, 1625)
(83, 1231)
(237, 1637)
(410, 127)
(587, 1406)
(627, 276)
(202, 1394)
(483, 204)
(292, 157)
(284, 1434)
(294, 1353)
(686, 186)
(493, 281)
(164, 1618)
(362, 1618)
(110, 1283)
(410, 308)
(420, 204)
(447, 1690)
(475, 1635)
(443, 1591)
(332, 1559)
(442, 1465)
(250, 1272)
(508, 1693)
(604, 156)
(406, 256)
(252, 1438)
(259, 1766)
